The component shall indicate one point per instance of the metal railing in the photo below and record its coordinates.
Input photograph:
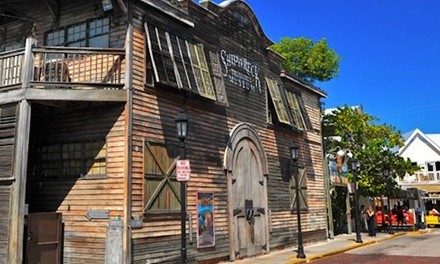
(64, 67)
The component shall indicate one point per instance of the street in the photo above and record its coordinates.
(411, 248)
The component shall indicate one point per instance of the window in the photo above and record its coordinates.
(177, 62)
(91, 33)
(161, 189)
(74, 160)
(297, 116)
(302, 191)
(275, 94)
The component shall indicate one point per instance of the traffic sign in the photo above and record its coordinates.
(183, 170)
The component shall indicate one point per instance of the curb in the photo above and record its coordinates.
(357, 245)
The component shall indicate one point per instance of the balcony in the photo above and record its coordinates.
(62, 68)
(422, 178)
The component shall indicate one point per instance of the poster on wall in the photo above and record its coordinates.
(205, 220)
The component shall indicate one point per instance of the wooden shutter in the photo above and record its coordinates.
(160, 55)
(161, 190)
(218, 78)
(275, 94)
(302, 178)
(201, 71)
(297, 117)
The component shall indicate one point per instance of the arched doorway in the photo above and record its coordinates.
(246, 168)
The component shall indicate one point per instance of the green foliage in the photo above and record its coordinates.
(375, 146)
(307, 60)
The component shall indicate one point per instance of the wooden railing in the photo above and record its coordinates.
(64, 67)
(11, 68)
(423, 177)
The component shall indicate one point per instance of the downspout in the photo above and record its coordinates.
(126, 243)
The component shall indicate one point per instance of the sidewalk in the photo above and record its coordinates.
(339, 244)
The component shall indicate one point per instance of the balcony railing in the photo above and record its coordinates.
(64, 67)
(423, 177)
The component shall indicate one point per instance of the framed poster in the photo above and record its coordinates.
(205, 220)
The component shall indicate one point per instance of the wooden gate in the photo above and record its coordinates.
(247, 194)
(44, 234)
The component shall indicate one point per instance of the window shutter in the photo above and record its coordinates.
(298, 119)
(218, 78)
(201, 71)
(161, 190)
(275, 94)
(302, 178)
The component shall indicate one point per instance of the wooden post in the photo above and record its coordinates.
(28, 64)
(18, 194)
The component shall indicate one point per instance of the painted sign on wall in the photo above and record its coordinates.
(240, 71)
(205, 220)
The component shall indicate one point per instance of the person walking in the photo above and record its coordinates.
(371, 221)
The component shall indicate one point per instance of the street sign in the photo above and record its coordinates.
(183, 170)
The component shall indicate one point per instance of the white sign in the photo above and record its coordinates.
(183, 170)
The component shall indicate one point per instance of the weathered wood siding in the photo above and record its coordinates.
(8, 120)
(236, 31)
(84, 240)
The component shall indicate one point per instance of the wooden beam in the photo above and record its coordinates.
(76, 95)
(122, 6)
(19, 187)
(52, 6)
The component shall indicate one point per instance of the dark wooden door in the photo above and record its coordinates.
(43, 243)
(249, 201)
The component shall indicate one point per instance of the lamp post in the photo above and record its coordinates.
(294, 155)
(182, 130)
(386, 173)
(354, 167)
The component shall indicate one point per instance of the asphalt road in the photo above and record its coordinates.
(413, 248)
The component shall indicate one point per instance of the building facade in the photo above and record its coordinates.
(424, 151)
(89, 93)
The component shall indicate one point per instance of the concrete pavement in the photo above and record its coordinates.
(339, 244)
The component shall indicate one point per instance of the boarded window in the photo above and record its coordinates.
(73, 160)
(277, 100)
(91, 33)
(161, 190)
(218, 78)
(295, 110)
(302, 183)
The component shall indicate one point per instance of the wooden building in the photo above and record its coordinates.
(89, 92)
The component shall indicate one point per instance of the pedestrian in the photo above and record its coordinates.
(364, 225)
(418, 216)
(400, 217)
(371, 220)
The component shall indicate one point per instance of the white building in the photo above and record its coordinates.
(424, 151)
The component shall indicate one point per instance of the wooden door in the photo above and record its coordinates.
(43, 243)
(248, 201)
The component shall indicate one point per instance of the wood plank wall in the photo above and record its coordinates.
(84, 240)
(8, 121)
(210, 124)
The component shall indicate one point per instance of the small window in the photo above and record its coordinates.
(73, 160)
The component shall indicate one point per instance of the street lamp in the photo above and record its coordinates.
(294, 152)
(182, 131)
(354, 167)
(387, 174)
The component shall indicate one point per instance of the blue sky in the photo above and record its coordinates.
(390, 53)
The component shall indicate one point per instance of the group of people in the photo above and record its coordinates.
(369, 217)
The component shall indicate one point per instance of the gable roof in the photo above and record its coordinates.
(432, 140)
